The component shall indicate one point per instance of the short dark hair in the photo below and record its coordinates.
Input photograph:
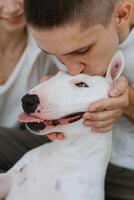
(47, 14)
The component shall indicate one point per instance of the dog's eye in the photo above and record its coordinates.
(81, 84)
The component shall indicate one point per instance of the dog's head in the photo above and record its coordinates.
(62, 100)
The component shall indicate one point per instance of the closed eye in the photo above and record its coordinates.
(81, 84)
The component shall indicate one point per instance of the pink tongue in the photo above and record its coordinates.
(23, 117)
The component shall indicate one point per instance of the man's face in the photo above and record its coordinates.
(89, 50)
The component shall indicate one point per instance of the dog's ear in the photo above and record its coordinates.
(115, 67)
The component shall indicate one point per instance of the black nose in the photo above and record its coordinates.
(30, 103)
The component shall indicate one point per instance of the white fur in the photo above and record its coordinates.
(71, 169)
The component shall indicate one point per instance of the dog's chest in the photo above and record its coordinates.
(51, 176)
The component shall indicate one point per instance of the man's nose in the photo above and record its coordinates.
(74, 65)
(74, 69)
(30, 103)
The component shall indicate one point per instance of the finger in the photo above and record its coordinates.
(60, 136)
(102, 130)
(99, 124)
(109, 104)
(103, 115)
(119, 87)
(52, 136)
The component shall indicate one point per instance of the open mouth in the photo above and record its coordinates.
(37, 124)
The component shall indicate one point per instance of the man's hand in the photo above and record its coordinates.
(53, 136)
(101, 115)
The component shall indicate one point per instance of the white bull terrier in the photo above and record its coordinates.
(71, 169)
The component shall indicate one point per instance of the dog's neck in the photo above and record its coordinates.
(79, 141)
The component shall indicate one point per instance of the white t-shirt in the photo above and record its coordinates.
(123, 133)
(32, 65)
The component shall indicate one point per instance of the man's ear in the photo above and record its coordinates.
(115, 67)
(123, 12)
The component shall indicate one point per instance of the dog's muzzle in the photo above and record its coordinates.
(30, 103)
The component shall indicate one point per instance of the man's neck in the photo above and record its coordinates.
(123, 34)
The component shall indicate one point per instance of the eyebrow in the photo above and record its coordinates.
(74, 51)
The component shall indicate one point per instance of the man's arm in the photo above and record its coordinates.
(129, 111)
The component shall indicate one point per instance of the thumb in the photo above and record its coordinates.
(119, 87)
